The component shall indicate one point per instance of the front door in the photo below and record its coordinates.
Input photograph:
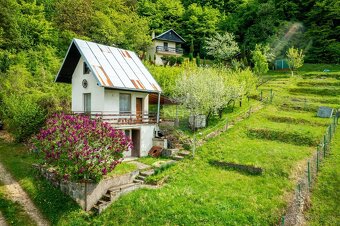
(87, 102)
(139, 109)
(136, 143)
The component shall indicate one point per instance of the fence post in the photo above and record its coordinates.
(324, 146)
(271, 95)
(308, 174)
(317, 160)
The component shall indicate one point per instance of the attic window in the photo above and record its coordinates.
(86, 69)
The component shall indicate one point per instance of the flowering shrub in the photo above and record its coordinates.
(79, 147)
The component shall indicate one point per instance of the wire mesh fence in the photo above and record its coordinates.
(294, 214)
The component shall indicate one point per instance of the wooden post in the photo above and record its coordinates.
(158, 106)
(317, 160)
(308, 174)
(194, 143)
(324, 146)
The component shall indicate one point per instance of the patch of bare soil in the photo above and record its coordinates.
(17, 194)
(2, 220)
(4, 135)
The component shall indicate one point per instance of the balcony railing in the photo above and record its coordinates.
(123, 118)
(169, 50)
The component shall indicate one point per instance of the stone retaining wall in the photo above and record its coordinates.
(86, 194)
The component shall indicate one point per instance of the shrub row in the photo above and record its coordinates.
(315, 91)
(311, 83)
(291, 120)
(295, 138)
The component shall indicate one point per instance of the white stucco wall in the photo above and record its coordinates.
(107, 101)
(111, 100)
(152, 51)
(97, 92)
(147, 133)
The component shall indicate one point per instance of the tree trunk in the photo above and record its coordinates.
(208, 117)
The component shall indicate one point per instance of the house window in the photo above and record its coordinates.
(166, 45)
(86, 69)
(87, 102)
(124, 103)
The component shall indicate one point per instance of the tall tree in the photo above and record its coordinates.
(222, 47)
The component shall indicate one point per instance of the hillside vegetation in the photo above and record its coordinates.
(278, 139)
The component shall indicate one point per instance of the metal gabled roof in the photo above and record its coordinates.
(170, 35)
(112, 67)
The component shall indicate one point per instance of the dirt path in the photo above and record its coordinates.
(17, 194)
(2, 220)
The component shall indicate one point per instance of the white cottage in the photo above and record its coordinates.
(114, 84)
(165, 44)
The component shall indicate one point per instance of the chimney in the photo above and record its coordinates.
(153, 35)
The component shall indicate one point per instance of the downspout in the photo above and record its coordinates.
(158, 106)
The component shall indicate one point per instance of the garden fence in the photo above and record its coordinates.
(294, 214)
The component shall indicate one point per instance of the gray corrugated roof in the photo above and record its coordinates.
(112, 67)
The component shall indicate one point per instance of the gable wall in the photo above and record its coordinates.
(97, 92)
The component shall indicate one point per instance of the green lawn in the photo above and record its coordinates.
(198, 192)
(325, 202)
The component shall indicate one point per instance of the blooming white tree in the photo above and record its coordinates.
(222, 46)
(208, 90)
(201, 90)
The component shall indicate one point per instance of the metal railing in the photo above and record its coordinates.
(126, 118)
(169, 49)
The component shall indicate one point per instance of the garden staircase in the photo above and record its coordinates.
(114, 193)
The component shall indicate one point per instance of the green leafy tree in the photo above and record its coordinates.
(295, 59)
(260, 61)
(222, 47)
(199, 22)
(198, 60)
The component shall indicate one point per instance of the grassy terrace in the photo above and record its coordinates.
(276, 139)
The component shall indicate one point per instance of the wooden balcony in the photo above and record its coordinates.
(169, 50)
(117, 118)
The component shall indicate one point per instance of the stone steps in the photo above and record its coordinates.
(112, 195)
(184, 153)
(138, 181)
(177, 157)
(147, 173)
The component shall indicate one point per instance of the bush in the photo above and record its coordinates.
(198, 60)
(79, 147)
(172, 60)
(23, 117)
(180, 60)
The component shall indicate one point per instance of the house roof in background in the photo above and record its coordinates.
(112, 67)
(170, 35)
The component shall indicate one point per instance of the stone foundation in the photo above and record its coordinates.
(86, 194)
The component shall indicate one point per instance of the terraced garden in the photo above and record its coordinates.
(277, 139)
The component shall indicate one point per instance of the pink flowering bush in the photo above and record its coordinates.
(80, 148)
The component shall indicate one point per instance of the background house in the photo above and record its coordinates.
(114, 84)
(165, 44)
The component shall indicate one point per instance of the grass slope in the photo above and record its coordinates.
(325, 202)
(198, 192)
